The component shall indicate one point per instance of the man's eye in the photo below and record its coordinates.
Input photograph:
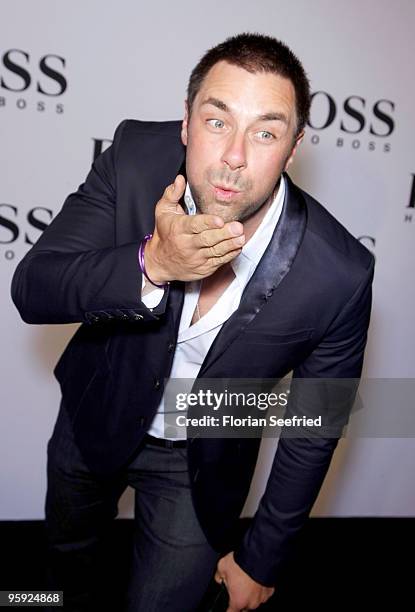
(264, 135)
(216, 123)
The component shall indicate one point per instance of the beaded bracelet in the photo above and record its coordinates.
(142, 264)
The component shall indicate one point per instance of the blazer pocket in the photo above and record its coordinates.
(271, 337)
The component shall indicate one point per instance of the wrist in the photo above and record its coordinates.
(153, 270)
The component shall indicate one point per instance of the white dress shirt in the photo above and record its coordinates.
(194, 341)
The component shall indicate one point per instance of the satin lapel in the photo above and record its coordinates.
(273, 266)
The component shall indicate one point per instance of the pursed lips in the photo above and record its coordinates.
(223, 194)
(227, 188)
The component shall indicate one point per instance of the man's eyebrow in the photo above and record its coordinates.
(273, 117)
(218, 103)
(265, 117)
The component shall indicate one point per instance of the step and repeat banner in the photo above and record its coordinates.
(71, 71)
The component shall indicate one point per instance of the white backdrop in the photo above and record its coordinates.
(70, 72)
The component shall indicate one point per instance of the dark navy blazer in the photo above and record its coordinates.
(306, 309)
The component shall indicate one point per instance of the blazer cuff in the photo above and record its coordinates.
(120, 299)
(254, 567)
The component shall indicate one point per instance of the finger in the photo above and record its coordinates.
(217, 250)
(198, 223)
(213, 236)
(217, 262)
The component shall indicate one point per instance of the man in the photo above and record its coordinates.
(260, 282)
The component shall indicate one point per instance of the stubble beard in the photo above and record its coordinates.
(211, 206)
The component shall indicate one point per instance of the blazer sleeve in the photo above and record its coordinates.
(75, 272)
(301, 463)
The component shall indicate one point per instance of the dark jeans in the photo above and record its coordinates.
(172, 562)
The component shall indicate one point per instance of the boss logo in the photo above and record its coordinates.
(12, 228)
(21, 73)
(355, 116)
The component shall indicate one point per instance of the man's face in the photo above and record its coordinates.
(240, 137)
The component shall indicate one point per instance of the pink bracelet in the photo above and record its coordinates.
(142, 264)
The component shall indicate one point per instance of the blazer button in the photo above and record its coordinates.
(170, 347)
(138, 317)
(157, 384)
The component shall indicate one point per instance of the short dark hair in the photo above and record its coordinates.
(256, 53)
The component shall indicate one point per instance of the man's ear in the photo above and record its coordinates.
(185, 123)
(298, 140)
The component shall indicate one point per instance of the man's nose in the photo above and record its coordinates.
(234, 155)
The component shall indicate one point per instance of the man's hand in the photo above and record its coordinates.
(244, 592)
(188, 247)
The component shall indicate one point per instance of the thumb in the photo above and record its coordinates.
(174, 192)
(169, 201)
(218, 577)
